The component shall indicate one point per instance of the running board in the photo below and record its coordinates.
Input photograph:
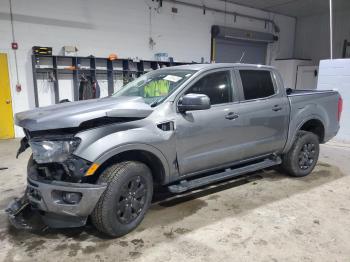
(186, 185)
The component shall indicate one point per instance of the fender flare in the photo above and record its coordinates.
(136, 146)
(291, 140)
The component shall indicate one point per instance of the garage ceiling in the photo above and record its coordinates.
(295, 8)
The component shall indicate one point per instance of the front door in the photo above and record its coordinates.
(204, 138)
(6, 114)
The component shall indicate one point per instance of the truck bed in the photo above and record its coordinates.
(315, 104)
(295, 92)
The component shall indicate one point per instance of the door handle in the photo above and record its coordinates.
(277, 108)
(231, 116)
(8, 101)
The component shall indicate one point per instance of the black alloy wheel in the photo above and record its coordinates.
(307, 156)
(132, 200)
(302, 157)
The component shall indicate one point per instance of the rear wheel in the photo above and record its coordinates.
(126, 199)
(302, 158)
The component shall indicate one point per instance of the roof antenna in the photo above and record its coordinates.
(243, 54)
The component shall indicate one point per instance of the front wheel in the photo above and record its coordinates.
(126, 199)
(302, 158)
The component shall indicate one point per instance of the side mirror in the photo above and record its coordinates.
(191, 102)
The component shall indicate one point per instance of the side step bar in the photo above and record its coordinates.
(186, 185)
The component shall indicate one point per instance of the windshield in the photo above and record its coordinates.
(155, 86)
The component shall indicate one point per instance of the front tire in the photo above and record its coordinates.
(302, 158)
(126, 199)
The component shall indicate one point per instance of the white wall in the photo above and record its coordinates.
(312, 36)
(335, 74)
(122, 27)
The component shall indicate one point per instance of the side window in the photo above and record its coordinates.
(256, 84)
(217, 86)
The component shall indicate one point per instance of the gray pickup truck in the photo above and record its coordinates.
(180, 127)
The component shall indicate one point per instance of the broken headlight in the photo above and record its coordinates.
(53, 150)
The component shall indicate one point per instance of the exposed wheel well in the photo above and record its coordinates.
(314, 126)
(151, 160)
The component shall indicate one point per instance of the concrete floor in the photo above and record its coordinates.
(276, 218)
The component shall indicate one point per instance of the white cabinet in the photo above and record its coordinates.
(307, 77)
(288, 69)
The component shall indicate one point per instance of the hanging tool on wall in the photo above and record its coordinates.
(88, 88)
(51, 77)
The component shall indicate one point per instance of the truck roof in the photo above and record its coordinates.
(198, 67)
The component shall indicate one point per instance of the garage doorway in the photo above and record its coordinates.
(234, 51)
(6, 113)
(233, 45)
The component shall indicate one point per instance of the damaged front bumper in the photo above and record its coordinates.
(60, 204)
(17, 212)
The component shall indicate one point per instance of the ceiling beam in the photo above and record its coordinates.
(235, 14)
(265, 9)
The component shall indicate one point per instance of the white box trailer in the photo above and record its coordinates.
(335, 74)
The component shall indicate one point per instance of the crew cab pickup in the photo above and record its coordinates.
(180, 127)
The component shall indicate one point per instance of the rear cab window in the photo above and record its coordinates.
(257, 84)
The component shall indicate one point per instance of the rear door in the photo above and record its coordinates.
(263, 111)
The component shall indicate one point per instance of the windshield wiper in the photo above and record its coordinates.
(156, 102)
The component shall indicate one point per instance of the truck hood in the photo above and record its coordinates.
(73, 114)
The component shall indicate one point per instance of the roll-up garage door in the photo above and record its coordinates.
(232, 45)
(231, 51)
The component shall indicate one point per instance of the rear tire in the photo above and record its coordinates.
(302, 157)
(126, 199)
